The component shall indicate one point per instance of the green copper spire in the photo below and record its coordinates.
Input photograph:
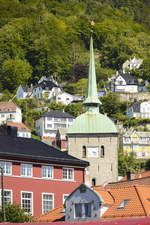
(92, 96)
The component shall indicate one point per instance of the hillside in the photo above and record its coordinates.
(45, 37)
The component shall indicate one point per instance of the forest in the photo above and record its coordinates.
(51, 37)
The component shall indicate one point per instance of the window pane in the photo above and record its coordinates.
(27, 201)
(78, 210)
(87, 207)
(47, 202)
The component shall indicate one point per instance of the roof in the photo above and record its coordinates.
(21, 126)
(8, 106)
(105, 194)
(90, 123)
(56, 214)
(31, 149)
(130, 80)
(136, 106)
(137, 199)
(47, 84)
(56, 114)
(138, 175)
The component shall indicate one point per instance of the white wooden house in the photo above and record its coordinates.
(139, 110)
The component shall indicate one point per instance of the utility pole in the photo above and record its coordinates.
(2, 194)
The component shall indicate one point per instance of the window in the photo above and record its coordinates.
(65, 196)
(127, 139)
(102, 151)
(49, 118)
(134, 139)
(47, 202)
(26, 170)
(47, 172)
(135, 147)
(68, 173)
(70, 119)
(123, 204)
(127, 147)
(143, 154)
(93, 182)
(84, 151)
(92, 152)
(27, 201)
(7, 167)
(7, 196)
(49, 125)
(83, 210)
(143, 147)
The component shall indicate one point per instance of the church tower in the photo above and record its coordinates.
(93, 136)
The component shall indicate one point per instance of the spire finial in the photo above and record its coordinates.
(92, 100)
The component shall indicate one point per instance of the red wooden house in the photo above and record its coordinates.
(36, 175)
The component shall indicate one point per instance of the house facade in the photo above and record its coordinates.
(66, 98)
(124, 82)
(50, 121)
(83, 204)
(137, 142)
(34, 173)
(131, 64)
(46, 88)
(24, 92)
(10, 112)
(139, 110)
(94, 137)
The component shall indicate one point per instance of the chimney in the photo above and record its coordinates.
(130, 175)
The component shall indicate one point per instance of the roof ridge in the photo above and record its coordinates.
(140, 200)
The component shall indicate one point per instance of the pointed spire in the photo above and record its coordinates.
(92, 96)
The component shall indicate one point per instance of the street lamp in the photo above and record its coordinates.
(2, 194)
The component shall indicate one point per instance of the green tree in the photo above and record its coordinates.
(15, 214)
(127, 163)
(56, 106)
(15, 72)
(75, 109)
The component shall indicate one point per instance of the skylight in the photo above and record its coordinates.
(123, 204)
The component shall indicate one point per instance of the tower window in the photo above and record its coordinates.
(94, 182)
(102, 151)
(84, 151)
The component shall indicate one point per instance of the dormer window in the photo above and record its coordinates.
(83, 210)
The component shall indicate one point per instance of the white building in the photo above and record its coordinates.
(66, 98)
(131, 64)
(50, 121)
(124, 82)
(24, 92)
(10, 112)
(46, 88)
(139, 110)
(22, 129)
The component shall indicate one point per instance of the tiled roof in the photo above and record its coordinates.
(52, 216)
(31, 149)
(20, 126)
(56, 114)
(7, 106)
(138, 175)
(105, 194)
(137, 206)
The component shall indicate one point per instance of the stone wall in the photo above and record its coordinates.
(131, 96)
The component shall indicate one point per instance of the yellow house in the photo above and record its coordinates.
(137, 142)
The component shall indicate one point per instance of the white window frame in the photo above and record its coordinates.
(31, 201)
(44, 193)
(26, 165)
(4, 195)
(47, 167)
(67, 168)
(64, 197)
(4, 166)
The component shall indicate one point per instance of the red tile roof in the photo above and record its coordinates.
(20, 126)
(105, 194)
(7, 106)
(137, 206)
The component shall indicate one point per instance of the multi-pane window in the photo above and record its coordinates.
(7, 167)
(27, 201)
(68, 173)
(47, 172)
(7, 196)
(65, 196)
(47, 202)
(83, 210)
(26, 170)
